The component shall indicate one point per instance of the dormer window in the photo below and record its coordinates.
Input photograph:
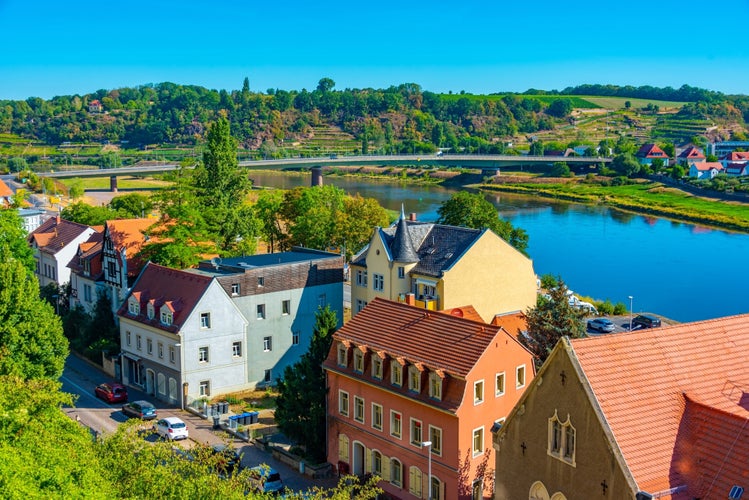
(414, 379)
(396, 374)
(376, 367)
(150, 311)
(435, 386)
(358, 361)
(166, 316)
(133, 307)
(342, 355)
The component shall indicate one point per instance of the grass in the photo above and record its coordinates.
(127, 182)
(618, 102)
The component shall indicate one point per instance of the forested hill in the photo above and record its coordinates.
(403, 118)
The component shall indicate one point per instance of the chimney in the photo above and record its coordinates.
(58, 218)
(412, 216)
(411, 299)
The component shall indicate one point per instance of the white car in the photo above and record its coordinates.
(171, 428)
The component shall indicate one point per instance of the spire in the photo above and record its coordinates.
(402, 248)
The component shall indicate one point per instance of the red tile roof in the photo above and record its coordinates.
(129, 234)
(737, 156)
(5, 191)
(180, 290)
(691, 152)
(642, 381)
(55, 234)
(467, 312)
(650, 151)
(514, 323)
(708, 165)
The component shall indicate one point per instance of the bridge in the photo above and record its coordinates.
(489, 164)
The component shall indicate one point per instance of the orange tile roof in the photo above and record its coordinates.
(514, 322)
(642, 381)
(691, 152)
(5, 191)
(467, 312)
(55, 233)
(129, 234)
(708, 165)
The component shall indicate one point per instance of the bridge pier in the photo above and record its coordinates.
(113, 183)
(316, 176)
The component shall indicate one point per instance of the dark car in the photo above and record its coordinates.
(601, 325)
(645, 321)
(111, 392)
(228, 459)
(140, 409)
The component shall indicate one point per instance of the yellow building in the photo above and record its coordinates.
(441, 267)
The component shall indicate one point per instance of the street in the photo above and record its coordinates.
(80, 377)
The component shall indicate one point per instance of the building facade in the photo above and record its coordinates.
(55, 243)
(400, 376)
(443, 267)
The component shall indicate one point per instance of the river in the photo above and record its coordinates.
(681, 271)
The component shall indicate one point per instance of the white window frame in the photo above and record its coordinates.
(500, 384)
(342, 354)
(160, 348)
(235, 289)
(396, 479)
(203, 354)
(393, 433)
(285, 307)
(396, 374)
(378, 282)
(401, 272)
(359, 409)
(361, 278)
(133, 307)
(343, 403)
(561, 449)
(172, 355)
(204, 388)
(414, 379)
(520, 374)
(267, 344)
(377, 367)
(149, 345)
(166, 316)
(377, 416)
(205, 320)
(435, 386)
(478, 392)
(358, 361)
(295, 336)
(138, 342)
(128, 338)
(236, 349)
(260, 311)
(435, 436)
(416, 438)
(480, 452)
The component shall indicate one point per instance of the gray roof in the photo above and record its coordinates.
(402, 249)
(235, 265)
(437, 247)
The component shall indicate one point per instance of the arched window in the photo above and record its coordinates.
(377, 463)
(562, 440)
(414, 481)
(396, 472)
(172, 389)
(558, 496)
(162, 384)
(437, 487)
(538, 492)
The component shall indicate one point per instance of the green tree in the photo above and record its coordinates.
(325, 85)
(473, 210)
(627, 104)
(83, 213)
(560, 169)
(551, 320)
(300, 406)
(677, 172)
(13, 237)
(537, 148)
(268, 212)
(560, 108)
(76, 189)
(132, 205)
(310, 214)
(354, 224)
(32, 344)
(626, 164)
(17, 164)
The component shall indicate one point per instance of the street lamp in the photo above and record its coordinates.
(630, 312)
(428, 446)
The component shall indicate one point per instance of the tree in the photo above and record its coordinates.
(677, 172)
(268, 212)
(537, 148)
(627, 104)
(83, 213)
(626, 164)
(354, 224)
(559, 169)
(31, 341)
(132, 206)
(560, 108)
(13, 237)
(310, 214)
(325, 85)
(76, 189)
(300, 406)
(549, 321)
(17, 164)
(473, 210)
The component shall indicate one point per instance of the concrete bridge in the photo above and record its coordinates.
(489, 164)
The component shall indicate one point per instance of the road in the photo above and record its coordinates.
(80, 378)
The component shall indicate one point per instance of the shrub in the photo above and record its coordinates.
(620, 308)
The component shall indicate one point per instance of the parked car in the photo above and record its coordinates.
(140, 409)
(171, 428)
(645, 321)
(266, 480)
(111, 392)
(603, 325)
(228, 458)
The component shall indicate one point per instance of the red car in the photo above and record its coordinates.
(111, 393)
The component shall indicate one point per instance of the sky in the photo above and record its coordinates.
(50, 48)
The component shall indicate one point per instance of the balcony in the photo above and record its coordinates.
(427, 302)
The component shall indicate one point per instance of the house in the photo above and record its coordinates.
(443, 267)
(400, 376)
(723, 148)
(655, 413)
(228, 325)
(95, 106)
(689, 156)
(54, 243)
(705, 169)
(649, 153)
(31, 218)
(736, 163)
(6, 195)
(737, 169)
(86, 273)
(182, 337)
(122, 241)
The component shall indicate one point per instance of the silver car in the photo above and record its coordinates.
(171, 428)
(601, 325)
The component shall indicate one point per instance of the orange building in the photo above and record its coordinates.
(400, 376)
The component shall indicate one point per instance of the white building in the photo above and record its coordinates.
(55, 243)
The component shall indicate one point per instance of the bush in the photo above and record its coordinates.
(620, 309)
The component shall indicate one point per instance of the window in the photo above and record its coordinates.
(499, 384)
(358, 409)
(161, 383)
(396, 472)
(376, 367)
(478, 441)
(149, 310)
(149, 346)
(478, 392)
(295, 337)
(436, 489)
(377, 463)
(360, 304)
(260, 281)
(261, 311)
(171, 354)
(561, 439)
(235, 288)
(343, 403)
(342, 358)
(477, 490)
(322, 300)
(414, 481)
(396, 374)
(236, 349)
(358, 361)
(127, 337)
(395, 424)
(377, 416)
(435, 386)
(286, 307)
(435, 436)
(87, 293)
(429, 291)
(205, 320)
(416, 432)
(161, 350)
(520, 376)
(172, 389)
(203, 354)
(204, 388)
(378, 282)
(401, 272)
(361, 278)
(133, 308)
(414, 379)
(137, 342)
(343, 448)
(268, 377)
(267, 344)
(166, 317)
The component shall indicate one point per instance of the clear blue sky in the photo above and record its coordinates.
(59, 47)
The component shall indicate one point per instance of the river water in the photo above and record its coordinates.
(681, 271)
